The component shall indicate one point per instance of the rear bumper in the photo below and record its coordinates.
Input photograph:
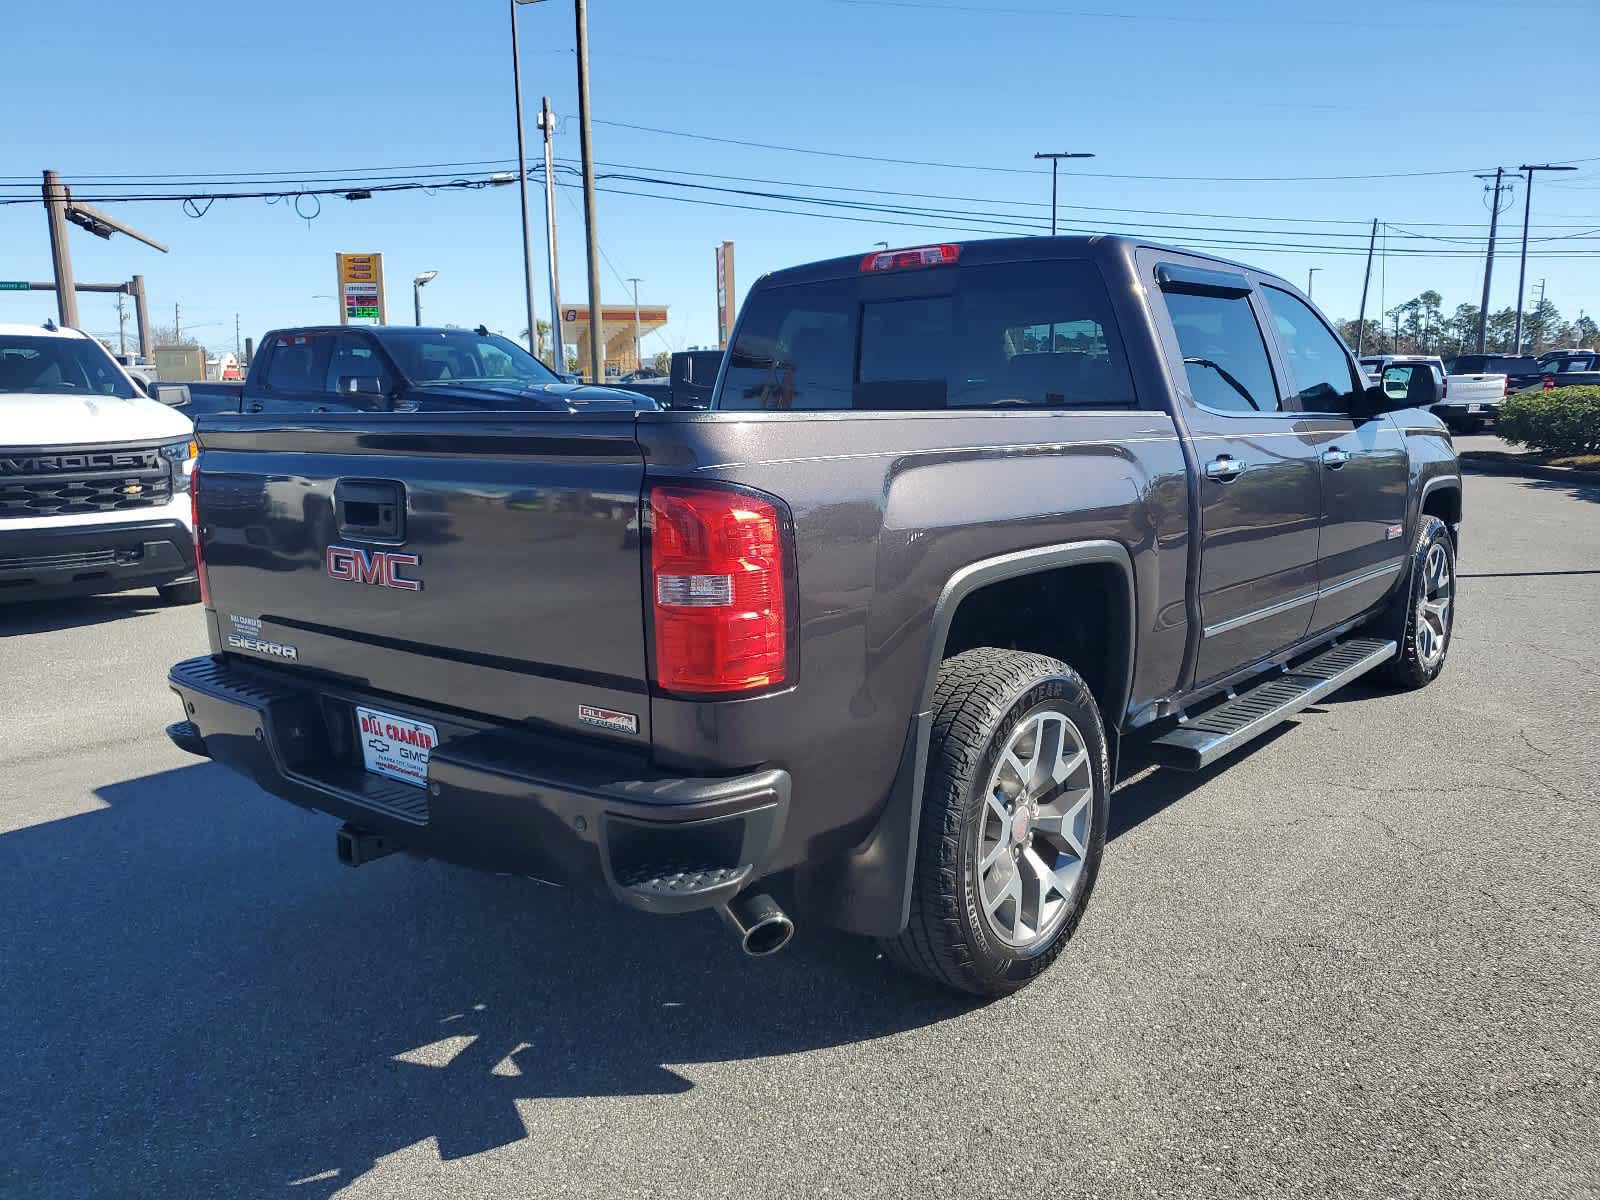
(42, 563)
(497, 799)
(1465, 410)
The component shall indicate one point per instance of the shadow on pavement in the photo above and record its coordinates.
(1577, 491)
(47, 616)
(200, 1001)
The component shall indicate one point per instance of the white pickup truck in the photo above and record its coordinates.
(94, 474)
(1470, 399)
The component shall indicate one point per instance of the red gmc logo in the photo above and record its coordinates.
(381, 567)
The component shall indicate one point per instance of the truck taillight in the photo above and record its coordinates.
(1444, 391)
(719, 589)
(1507, 392)
(199, 552)
(1549, 382)
(917, 256)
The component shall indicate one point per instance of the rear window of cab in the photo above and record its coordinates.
(1036, 335)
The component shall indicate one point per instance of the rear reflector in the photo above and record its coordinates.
(916, 256)
(199, 554)
(718, 583)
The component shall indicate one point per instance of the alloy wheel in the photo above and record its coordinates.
(1035, 828)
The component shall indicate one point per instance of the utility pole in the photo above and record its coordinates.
(522, 182)
(638, 352)
(238, 349)
(1310, 278)
(1536, 308)
(1522, 269)
(55, 206)
(1361, 317)
(122, 323)
(1488, 259)
(177, 329)
(591, 234)
(1055, 162)
(141, 318)
(547, 120)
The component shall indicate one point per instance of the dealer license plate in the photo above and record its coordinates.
(396, 747)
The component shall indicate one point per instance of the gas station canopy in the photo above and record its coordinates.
(616, 332)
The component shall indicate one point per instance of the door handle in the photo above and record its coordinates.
(256, 407)
(1334, 459)
(322, 408)
(1224, 468)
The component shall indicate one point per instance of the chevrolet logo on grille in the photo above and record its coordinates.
(99, 460)
(132, 489)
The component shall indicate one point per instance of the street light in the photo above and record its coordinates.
(1310, 276)
(417, 285)
(1522, 271)
(1055, 162)
(522, 176)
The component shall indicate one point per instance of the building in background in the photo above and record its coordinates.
(181, 364)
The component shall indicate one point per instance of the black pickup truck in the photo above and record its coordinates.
(398, 368)
(689, 385)
(964, 525)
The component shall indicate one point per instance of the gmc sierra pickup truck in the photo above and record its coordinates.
(964, 523)
(398, 368)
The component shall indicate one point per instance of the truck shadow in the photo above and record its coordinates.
(47, 616)
(199, 1000)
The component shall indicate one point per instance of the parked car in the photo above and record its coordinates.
(399, 368)
(1472, 396)
(94, 474)
(694, 374)
(1521, 370)
(964, 524)
(1570, 368)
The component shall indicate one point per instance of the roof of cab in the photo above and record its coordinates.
(998, 250)
(18, 329)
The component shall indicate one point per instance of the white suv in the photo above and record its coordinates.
(94, 475)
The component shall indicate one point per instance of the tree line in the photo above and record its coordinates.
(1420, 326)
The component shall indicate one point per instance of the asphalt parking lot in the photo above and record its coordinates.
(1362, 959)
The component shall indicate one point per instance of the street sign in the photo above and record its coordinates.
(13, 285)
(361, 288)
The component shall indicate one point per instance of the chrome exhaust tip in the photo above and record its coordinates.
(762, 926)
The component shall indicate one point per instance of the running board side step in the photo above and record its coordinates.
(1198, 742)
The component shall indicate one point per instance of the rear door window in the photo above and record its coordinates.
(1224, 353)
(300, 363)
(1011, 335)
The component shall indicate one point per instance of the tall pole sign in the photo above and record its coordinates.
(725, 294)
(361, 288)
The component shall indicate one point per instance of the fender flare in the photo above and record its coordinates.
(868, 891)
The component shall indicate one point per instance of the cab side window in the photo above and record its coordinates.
(1319, 366)
(357, 367)
(300, 363)
(1224, 354)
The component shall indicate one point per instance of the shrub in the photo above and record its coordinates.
(1561, 421)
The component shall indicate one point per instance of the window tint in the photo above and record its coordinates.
(1318, 364)
(1014, 335)
(1517, 366)
(300, 363)
(1224, 354)
(1468, 364)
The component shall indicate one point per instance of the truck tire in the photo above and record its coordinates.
(1013, 821)
(1423, 616)
(180, 593)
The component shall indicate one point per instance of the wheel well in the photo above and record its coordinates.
(1078, 614)
(1444, 503)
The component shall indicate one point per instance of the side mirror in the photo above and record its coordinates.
(174, 395)
(1403, 386)
(361, 385)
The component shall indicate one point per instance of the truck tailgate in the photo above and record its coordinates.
(490, 565)
(1476, 389)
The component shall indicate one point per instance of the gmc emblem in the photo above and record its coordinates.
(381, 567)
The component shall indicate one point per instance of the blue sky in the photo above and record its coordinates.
(1154, 88)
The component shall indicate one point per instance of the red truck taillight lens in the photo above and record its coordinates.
(199, 553)
(719, 590)
(1549, 382)
(917, 256)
